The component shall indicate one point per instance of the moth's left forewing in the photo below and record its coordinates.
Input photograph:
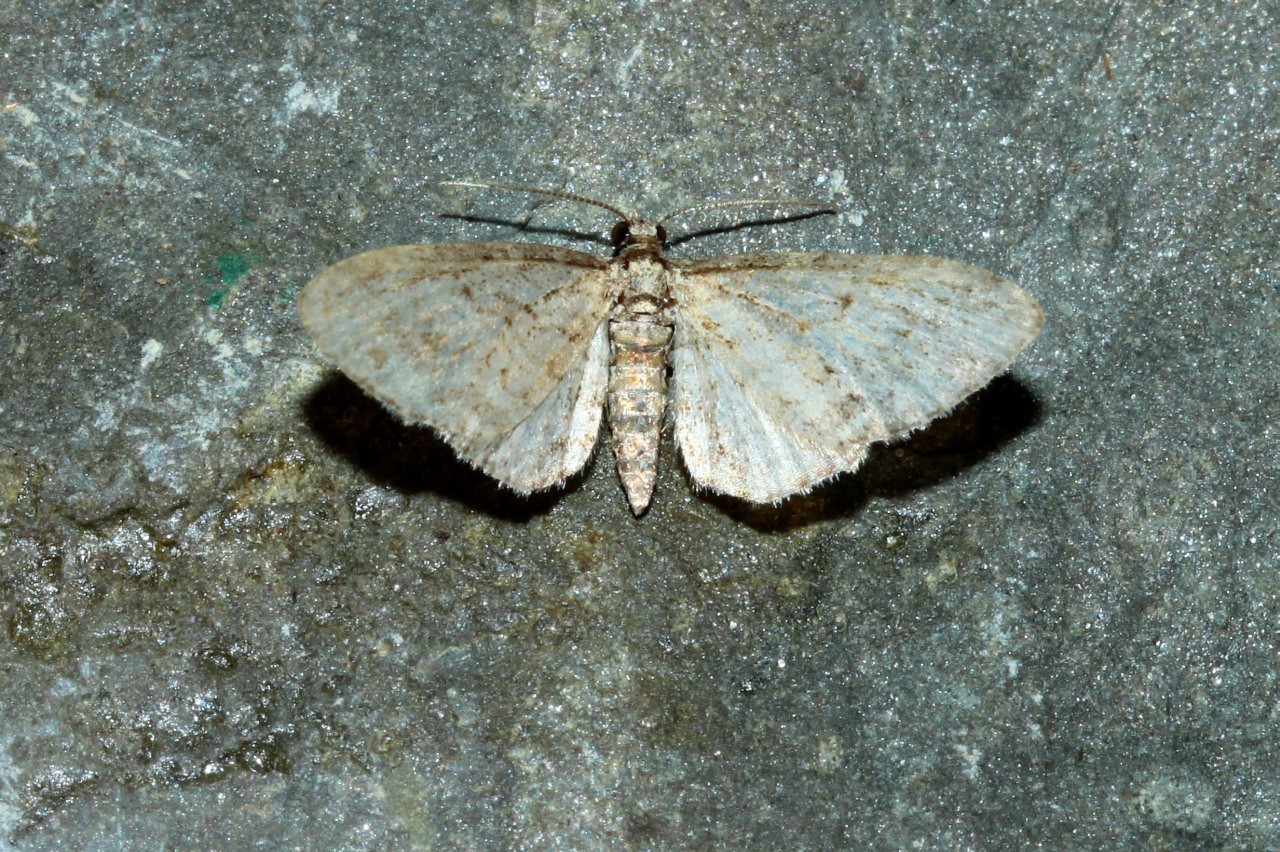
(502, 348)
(786, 366)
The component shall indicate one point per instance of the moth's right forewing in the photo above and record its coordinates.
(730, 434)
(500, 347)
(786, 366)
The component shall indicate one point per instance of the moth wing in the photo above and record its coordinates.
(786, 366)
(500, 347)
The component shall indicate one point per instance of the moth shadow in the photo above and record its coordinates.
(974, 430)
(409, 459)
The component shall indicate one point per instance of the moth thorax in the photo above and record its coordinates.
(643, 306)
(633, 336)
(640, 251)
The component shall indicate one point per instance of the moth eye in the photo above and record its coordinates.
(662, 235)
(620, 233)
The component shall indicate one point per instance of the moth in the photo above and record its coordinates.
(778, 369)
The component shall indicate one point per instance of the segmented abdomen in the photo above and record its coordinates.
(637, 401)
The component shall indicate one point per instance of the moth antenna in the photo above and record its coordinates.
(629, 218)
(819, 206)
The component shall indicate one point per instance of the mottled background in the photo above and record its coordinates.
(242, 606)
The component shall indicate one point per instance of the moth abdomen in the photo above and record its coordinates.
(637, 401)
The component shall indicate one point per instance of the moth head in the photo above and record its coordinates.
(637, 232)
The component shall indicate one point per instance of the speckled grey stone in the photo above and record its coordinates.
(244, 607)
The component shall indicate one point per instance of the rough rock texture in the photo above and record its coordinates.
(242, 605)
